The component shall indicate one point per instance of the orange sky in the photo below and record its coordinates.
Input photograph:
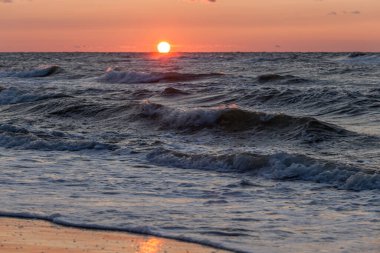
(191, 25)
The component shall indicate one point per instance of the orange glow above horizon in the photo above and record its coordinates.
(223, 25)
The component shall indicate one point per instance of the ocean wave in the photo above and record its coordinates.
(22, 138)
(115, 76)
(78, 109)
(42, 71)
(13, 95)
(335, 101)
(177, 118)
(284, 79)
(356, 54)
(170, 91)
(361, 58)
(231, 118)
(278, 166)
(64, 106)
(83, 110)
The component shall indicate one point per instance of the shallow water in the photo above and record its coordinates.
(248, 152)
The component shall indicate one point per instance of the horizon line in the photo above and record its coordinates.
(190, 52)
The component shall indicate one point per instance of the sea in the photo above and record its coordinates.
(249, 152)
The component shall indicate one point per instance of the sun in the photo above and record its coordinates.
(163, 47)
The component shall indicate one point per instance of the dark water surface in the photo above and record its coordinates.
(254, 152)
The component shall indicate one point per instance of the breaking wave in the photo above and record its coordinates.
(114, 76)
(231, 118)
(278, 166)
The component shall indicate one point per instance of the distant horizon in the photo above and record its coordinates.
(199, 52)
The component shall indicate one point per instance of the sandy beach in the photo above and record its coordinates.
(34, 236)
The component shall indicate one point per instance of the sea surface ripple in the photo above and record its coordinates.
(252, 152)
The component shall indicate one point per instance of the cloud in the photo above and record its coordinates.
(355, 12)
(13, 1)
(334, 13)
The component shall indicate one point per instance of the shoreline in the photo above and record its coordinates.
(32, 236)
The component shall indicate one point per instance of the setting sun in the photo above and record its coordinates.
(163, 47)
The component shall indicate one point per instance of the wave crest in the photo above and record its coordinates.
(231, 118)
(42, 71)
(334, 101)
(170, 91)
(115, 76)
(361, 58)
(278, 166)
(13, 95)
(286, 79)
(21, 138)
(356, 54)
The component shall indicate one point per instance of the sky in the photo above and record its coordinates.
(189, 25)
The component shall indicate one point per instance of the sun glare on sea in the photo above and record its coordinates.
(163, 47)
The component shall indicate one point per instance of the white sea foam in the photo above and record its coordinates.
(178, 118)
(195, 117)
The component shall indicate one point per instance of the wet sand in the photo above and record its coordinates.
(34, 236)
